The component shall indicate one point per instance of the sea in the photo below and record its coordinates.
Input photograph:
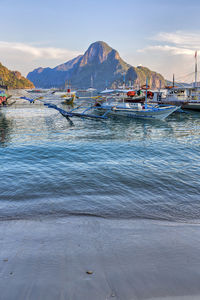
(113, 168)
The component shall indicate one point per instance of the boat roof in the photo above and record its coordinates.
(190, 87)
(91, 90)
(123, 91)
(107, 91)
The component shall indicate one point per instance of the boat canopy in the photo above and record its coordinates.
(91, 90)
(122, 91)
(107, 91)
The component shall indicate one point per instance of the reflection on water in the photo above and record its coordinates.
(5, 130)
(112, 168)
(36, 122)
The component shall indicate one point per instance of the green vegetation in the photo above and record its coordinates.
(154, 78)
(13, 79)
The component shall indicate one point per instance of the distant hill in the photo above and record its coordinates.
(13, 79)
(181, 84)
(101, 66)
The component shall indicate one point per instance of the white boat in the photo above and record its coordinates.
(117, 106)
(67, 93)
(136, 110)
(188, 97)
(129, 103)
(118, 109)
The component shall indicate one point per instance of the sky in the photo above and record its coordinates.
(161, 35)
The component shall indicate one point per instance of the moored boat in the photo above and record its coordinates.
(136, 110)
(133, 104)
(68, 100)
(186, 96)
(36, 91)
(4, 98)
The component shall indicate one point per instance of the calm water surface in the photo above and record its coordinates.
(110, 168)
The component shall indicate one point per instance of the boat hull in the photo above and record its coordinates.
(68, 101)
(59, 93)
(152, 113)
(192, 106)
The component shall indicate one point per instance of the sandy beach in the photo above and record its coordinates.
(126, 259)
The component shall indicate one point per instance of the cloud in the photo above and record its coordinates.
(37, 52)
(172, 53)
(169, 49)
(25, 57)
(175, 43)
(183, 39)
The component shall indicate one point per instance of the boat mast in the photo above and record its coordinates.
(91, 83)
(159, 93)
(195, 84)
(160, 83)
(146, 94)
(124, 84)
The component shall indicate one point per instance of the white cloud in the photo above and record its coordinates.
(169, 49)
(183, 39)
(175, 43)
(25, 57)
(172, 52)
(38, 52)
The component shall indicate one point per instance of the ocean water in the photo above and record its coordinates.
(113, 168)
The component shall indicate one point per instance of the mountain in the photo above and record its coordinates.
(181, 84)
(14, 79)
(100, 66)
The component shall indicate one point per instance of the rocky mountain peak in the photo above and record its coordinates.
(97, 52)
(100, 62)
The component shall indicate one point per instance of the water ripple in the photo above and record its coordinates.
(113, 168)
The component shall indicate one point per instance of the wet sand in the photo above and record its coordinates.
(129, 259)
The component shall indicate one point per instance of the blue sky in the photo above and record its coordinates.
(161, 35)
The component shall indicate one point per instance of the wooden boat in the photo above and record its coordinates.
(136, 110)
(135, 106)
(35, 91)
(4, 98)
(69, 100)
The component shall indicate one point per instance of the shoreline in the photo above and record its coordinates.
(129, 259)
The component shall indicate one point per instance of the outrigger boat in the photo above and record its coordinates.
(137, 110)
(117, 107)
(68, 100)
(131, 108)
